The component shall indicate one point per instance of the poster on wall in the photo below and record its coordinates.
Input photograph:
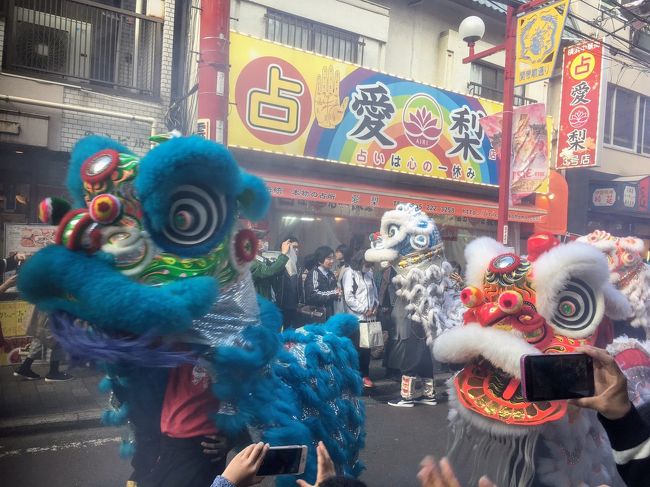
(297, 103)
(27, 238)
(580, 106)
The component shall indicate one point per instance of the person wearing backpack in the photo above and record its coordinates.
(360, 298)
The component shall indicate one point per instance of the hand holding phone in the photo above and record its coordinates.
(611, 399)
(557, 376)
(242, 469)
(283, 460)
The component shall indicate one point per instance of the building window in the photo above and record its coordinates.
(487, 81)
(88, 42)
(627, 120)
(313, 36)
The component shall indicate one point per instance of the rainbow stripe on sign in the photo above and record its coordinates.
(297, 103)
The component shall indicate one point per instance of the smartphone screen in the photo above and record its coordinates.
(557, 376)
(282, 461)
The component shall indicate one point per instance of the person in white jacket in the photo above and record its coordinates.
(360, 299)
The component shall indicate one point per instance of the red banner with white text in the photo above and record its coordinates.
(580, 110)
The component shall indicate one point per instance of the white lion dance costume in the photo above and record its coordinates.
(552, 303)
(410, 242)
(628, 272)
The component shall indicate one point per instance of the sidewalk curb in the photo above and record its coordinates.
(89, 418)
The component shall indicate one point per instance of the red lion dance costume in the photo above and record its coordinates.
(551, 302)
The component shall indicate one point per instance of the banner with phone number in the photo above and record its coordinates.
(298, 103)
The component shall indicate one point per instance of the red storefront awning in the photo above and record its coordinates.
(375, 197)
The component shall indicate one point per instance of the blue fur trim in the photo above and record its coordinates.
(127, 449)
(255, 199)
(298, 387)
(116, 417)
(97, 293)
(343, 325)
(92, 345)
(105, 385)
(82, 150)
(181, 161)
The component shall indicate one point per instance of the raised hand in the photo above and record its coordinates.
(242, 469)
(327, 107)
(611, 399)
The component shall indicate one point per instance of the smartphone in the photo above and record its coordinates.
(284, 460)
(557, 376)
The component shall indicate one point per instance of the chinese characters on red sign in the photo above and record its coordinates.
(579, 113)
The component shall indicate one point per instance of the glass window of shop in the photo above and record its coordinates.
(315, 224)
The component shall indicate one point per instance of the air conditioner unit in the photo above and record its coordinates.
(52, 43)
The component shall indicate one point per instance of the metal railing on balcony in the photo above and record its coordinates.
(477, 89)
(313, 36)
(84, 41)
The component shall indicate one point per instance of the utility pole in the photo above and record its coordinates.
(214, 50)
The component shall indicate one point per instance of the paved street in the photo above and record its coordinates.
(397, 439)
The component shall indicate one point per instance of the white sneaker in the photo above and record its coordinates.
(402, 403)
(429, 401)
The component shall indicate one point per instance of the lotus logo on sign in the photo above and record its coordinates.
(422, 120)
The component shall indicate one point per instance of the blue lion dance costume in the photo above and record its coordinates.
(149, 271)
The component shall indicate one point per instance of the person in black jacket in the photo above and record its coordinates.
(288, 287)
(320, 286)
(628, 433)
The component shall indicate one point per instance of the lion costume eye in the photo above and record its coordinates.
(195, 215)
(393, 230)
(420, 241)
(577, 307)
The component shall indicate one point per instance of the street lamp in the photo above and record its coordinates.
(471, 30)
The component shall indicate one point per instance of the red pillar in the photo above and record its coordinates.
(506, 144)
(213, 69)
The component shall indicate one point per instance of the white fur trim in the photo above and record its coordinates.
(501, 348)
(555, 268)
(478, 255)
(617, 307)
(381, 255)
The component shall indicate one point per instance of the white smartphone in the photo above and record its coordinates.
(284, 460)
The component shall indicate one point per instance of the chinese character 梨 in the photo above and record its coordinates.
(579, 93)
(576, 139)
(373, 107)
(467, 134)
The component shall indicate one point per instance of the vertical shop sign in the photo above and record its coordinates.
(580, 109)
(538, 39)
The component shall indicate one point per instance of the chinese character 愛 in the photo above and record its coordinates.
(579, 94)
(374, 109)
